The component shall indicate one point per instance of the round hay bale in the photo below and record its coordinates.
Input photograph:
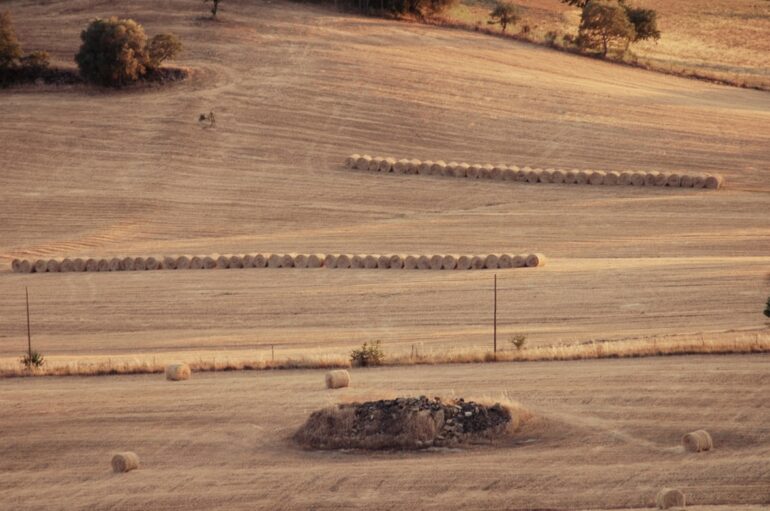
(596, 177)
(477, 263)
(223, 262)
(464, 262)
(352, 160)
(330, 261)
(41, 266)
(558, 176)
(387, 164)
(436, 262)
(486, 171)
(505, 261)
(362, 163)
(519, 260)
(287, 261)
(546, 176)
(151, 263)
(714, 182)
(449, 169)
(168, 263)
(649, 178)
(533, 176)
(410, 262)
(128, 264)
(674, 180)
(357, 262)
(401, 166)
(425, 167)
(337, 379)
(414, 166)
(196, 263)
(209, 263)
(423, 262)
(438, 168)
(661, 178)
(115, 264)
(535, 260)
(300, 261)
(699, 181)
(374, 164)
(235, 262)
(66, 265)
(260, 261)
(474, 171)
(637, 179)
(668, 498)
(498, 171)
(92, 264)
(697, 441)
(570, 177)
(274, 261)
(343, 262)
(370, 262)
(247, 259)
(52, 266)
(612, 178)
(315, 261)
(182, 263)
(140, 264)
(15, 264)
(625, 179)
(396, 262)
(103, 265)
(509, 174)
(521, 174)
(26, 267)
(383, 262)
(177, 372)
(462, 170)
(124, 462)
(491, 262)
(582, 177)
(449, 262)
(687, 181)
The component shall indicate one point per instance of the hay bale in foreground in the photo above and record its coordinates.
(370, 262)
(128, 264)
(396, 262)
(274, 261)
(491, 262)
(505, 261)
(410, 262)
(423, 262)
(177, 372)
(124, 462)
(464, 262)
(698, 441)
(53, 266)
(438, 168)
(387, 164)
(209, 263)
(714, 182)
(15, 264)
(352, 160)
(343, 262)
(315, 260)
(196, 263)
(337, 379)
(668, 498)
(436, 261)
(448, 262)
(535, 260)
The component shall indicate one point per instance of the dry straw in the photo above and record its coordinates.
(169, 263)
(223, 262)
(370, 262)
(103, 265)
(209, 263)
(491, 262)
(546, 176)
(40, 266)
(287, 261)
(396, 262)
(196, 263)
(125, 462)
(698, 441)
(474, 171)
(438, 168)
(535, 260)
(52, 266)
(650, 177)
(449, 262)
(315, 260)
(387, 164)
(699, 181)
(414, 166)
(151, 263)
(115, 264)
(687, 181)
(260, 261)
(436, 262)
(462, 170)
(410, 262)
(477, 263)
(140, 264)
(401, 166)
(464, 262)
(425, 168)
(248, 261)
(78, 264)
(177, 372)
(582, 177)
(363, 162)
(509, 174)
(533, 176)
(330, 261)
(487, 170)
(374, 164)
(357, 262)
(661, 178)
(352, 160)
(597, 177)
(383, 262)
(505, 261)
(714, 182)
(612, 178)
(275, 261)
(300, 261)
(128, 264)
(423, 262)
(519, 260)
(343, 262)
(337, 379)
(558, 176)
(674, 180)
(236, 262)
(668, 498)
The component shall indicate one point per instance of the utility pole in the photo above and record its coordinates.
(29, 335)
(494, 338)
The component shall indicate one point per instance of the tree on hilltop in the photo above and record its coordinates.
(504, 14)
(604, 22)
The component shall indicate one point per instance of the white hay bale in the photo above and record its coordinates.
(128, 264)
(436, 262)
(401, 166)
(260, 261)
(352, 160)
(661, 178)
(52, 266)
(505, 261)
(41, 266)
(223, 262)
(103, 265)
(438, 168)
(535, 260)
(370, 262)
(596, 177)
(124, 462)
(414, 166)
(464, 262)
(519, 260)
(582, 177)
(140, 264)
(169, 263)
(178, 372)
(362, 163)
(315, 261)
(491, 262)
(449, 262)
(687, 181)
(196, 263)
(337, 379)
(698, 441)
(533, 176)
(246, 259)
(425, 168)
(387, 164)
(383, 262)
(300, 261)
(649, 177)
(486, 171)
(342, 262)
(357, 262)
(236, 262)
(570, 177)
(209, 263)
(612, 178)
(474, 171)
(714, 182)
(423, 262)
(668, 498)
(546, 176)
(66, 265)
(287, 261)
(396, 262)
(558, 176)
(674, 180)
(274, 261)
(477, 263)
(410, 262)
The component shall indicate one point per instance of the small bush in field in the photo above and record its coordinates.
(518, 341)
(767, 308)
(32, 359)
(367, 355)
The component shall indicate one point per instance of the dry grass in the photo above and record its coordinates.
(325, 359)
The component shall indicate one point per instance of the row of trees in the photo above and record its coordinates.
(13, 60)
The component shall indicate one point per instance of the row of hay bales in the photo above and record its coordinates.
(534, 175)
(341, 261)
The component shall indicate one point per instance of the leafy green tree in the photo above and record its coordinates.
(645, 22)
(114, 52)
(10, 49)
(163, 47)
(504, 14)
(604, 22)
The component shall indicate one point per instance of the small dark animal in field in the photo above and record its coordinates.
(207, 120)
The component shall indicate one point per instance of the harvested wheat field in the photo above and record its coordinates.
(603, 435)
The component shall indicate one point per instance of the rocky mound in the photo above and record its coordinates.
(404, 423)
